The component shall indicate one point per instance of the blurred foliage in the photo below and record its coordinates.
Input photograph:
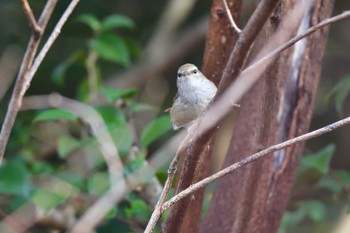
(339, 94)
(54, 161)
(39, 170)
(320, 195)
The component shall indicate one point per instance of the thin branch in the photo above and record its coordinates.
(20, 86)
(93, 118)
(245, 41)
(157, 212)
(55, 33)
(252, 158)
(295, 39)
(229, 15)
(37, 30)
(216, 114)
(25, 75)
(246, 80)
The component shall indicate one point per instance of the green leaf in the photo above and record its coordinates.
(113, 94)
(135, 164)
(117, 21)
(72, 178)
(15, 179)
(154, 130)
(315, 210)
(112, 116)
(98, 183)
(134, 47)
(59, 73)
(111, 48)
(55, 114)
(112, 213)
(41, 167)
(47, 200)
(67, 145)
(330, 184)
(340, 92)
(123, 138)
(140, 107)
(60, 70)
(344, 176)
(137, 208)
(90, 21)
(320, 160)
(291, 219)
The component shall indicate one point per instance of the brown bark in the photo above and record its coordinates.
(186, 215)
(254, 198)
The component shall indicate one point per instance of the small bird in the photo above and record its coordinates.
(194, 94)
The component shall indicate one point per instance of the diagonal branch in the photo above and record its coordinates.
(157, 212)
(295, 39)
(250, 75)
(212, 118)
(252, 158)
(37, 30)
(27, 72)
(229, 15)
(245, 41)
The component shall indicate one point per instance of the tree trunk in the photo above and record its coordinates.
(278, 107)
(185, 216)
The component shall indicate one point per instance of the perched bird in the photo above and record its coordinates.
(195, 92)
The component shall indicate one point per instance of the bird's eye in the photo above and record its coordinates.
(179, 75)
(195, 71)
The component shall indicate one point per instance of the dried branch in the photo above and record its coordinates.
(216, 114)
(55, 33)
(93, 118)
(37, 30)
(157, 212)
(28, 70)
(192, 162)
(229, 15)
(118, 183)
(249, 76)
(245, 42)
(252, 158)
(295, 39)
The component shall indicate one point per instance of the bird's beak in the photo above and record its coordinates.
(186, 73)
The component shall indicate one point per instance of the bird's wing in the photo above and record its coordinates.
(175, 97)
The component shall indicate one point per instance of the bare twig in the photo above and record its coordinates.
(37, 30)
(93, 118)
(157, 212)
(245, 42)
(100, 208)
(229, 15)
(247, 79)
(55, 33)
(252, 158)
(217, 114)
(240, 52)
(25, 75)
(295, 39)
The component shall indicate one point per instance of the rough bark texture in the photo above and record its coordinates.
(185, 216)
(279, 107)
